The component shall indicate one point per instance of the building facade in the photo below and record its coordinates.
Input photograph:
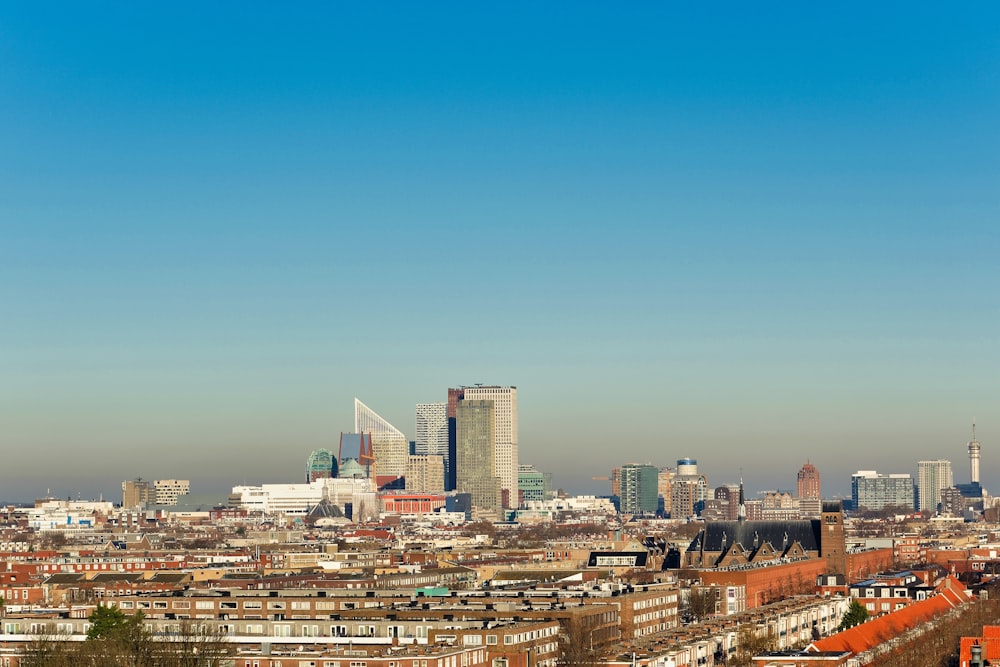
(532, 484)
(432, 432)
(872, 491)
(808, 482)
(932, 478)
(505, 436)
(475, 454)
(390, 445)
(639, 488)
(425, 473)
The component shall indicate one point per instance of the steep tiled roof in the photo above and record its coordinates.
(868, 635)
(751, 534)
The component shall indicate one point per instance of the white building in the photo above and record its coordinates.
(505, 430)
(298, 499)
(68, 515)
(432, 430)
(932, 477)
(390, 445)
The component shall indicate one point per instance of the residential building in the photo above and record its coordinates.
(872, 491)
(932, 477)
(663, 480)
(167, 491)
(688, 490)
(638, 486)
(505, 436)
(432, 432)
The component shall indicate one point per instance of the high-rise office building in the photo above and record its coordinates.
(454, 396)
(390, 445)
(932, 477)
(475, 456)
(505, 425)
(639, 488)
(808, 483)
(425, 473)
(872, 491)
(321, 464)
(137, 493)
(432, 432)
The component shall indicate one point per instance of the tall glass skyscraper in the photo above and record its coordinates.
(432, 432)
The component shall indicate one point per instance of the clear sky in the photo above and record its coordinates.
(750, 234)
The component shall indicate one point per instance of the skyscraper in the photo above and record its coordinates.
(475, 460)
(932, 477)
(638, 485)
(808, 486)
(505, 425)
(432, 432)
(454, 396)
(390, 445)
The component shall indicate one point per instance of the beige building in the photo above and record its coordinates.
(167, 491)
(425, 473)
(505, 434)
(475, 454)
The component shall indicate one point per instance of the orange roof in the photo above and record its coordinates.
(870, 634)
(991, 647)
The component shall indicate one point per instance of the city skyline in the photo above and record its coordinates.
(752, 236)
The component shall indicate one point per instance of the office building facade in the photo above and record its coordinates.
(389, 444)
(505, 433)
(475, 462)
(873, 491)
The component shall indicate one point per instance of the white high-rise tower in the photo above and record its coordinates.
(932, 477)
(974, 456)
(505, 430)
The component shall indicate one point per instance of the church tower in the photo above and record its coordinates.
(833, 544)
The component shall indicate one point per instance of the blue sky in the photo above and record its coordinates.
(752, 235)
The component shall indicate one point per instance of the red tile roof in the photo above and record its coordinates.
(868, 635)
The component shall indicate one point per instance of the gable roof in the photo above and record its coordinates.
(751, 534)
(870, 634)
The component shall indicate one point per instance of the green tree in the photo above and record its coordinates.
(116, 638)
(107, 621)
(854, 615)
